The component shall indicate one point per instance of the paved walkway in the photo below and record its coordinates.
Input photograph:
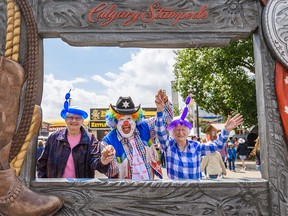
(249, 173)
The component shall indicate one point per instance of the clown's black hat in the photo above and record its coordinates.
(125, 105)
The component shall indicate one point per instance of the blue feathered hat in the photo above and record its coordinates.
(71, 110)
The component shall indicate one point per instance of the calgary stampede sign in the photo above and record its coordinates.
(162, 24)
(108, 15)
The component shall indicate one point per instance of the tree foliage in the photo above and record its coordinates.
(220, 80)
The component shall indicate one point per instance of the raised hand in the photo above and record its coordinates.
(231, 123)
(162, 94)
(160, 100)
(107, 154)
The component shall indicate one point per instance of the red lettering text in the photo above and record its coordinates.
(105, 15)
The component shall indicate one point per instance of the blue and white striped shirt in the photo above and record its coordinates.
(185, 164)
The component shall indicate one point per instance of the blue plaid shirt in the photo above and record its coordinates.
(185, 164)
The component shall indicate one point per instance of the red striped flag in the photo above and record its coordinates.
(281, 82)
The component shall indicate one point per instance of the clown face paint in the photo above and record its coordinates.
(126, 126)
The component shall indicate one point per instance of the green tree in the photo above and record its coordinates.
(220, 80)
(176, 110)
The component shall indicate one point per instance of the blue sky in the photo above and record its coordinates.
(97, 76)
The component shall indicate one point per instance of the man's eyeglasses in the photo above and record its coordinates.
(71, 118)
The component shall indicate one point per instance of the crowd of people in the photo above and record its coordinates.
(128, 151)
(233, 150)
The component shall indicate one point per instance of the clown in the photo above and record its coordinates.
(132, 137)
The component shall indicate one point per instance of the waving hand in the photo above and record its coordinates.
(231, 123)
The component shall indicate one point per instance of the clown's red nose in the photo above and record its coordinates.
(126, 123)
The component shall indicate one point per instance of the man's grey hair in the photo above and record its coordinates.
(171, 132)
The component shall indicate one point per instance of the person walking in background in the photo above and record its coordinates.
(230, 139)
(256, 152)
(194, 138)
(162, 159)
(40, 148)
(73, 152)
(213, 164)
(203, 140)
(231, 156)
(236, 143)
(242, 150)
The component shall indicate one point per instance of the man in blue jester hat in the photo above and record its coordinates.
(132, 136)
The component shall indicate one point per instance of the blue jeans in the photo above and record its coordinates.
(231, 164)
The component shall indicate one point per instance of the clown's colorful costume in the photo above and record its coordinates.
(136, 155)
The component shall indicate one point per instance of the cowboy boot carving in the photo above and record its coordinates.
(15, 198)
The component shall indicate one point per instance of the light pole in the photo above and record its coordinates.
(197, 120)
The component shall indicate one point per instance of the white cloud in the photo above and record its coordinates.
(147, 71)
(141, 77)
(54, 96)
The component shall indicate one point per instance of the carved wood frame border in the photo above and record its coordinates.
(184, 197)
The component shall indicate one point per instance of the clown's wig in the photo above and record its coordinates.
(112, 117)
